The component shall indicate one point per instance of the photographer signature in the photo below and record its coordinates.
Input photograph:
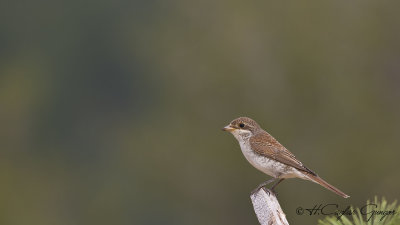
(368, 210)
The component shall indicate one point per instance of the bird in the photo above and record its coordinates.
(266, 154)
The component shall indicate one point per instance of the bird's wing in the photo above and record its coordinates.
(265, 145)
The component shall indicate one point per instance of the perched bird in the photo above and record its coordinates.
(270, 157)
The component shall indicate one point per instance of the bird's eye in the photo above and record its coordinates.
(241, 125)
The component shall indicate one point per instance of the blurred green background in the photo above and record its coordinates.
(111, 111)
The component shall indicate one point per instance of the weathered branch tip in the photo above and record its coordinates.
(267, 208)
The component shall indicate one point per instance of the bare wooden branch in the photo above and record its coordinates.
(267, 208)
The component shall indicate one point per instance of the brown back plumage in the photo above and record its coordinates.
(266, 145)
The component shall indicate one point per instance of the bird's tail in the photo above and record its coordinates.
(320, 181)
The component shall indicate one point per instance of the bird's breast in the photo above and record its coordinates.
(265, 164)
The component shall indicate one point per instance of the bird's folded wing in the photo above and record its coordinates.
(266, 145)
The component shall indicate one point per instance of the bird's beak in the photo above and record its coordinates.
(228, 128)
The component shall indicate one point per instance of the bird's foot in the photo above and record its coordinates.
(276, 184)
(255, 190)
(262, 185)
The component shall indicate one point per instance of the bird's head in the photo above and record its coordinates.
(242, 128)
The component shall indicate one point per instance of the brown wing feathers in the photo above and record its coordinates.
(264, 144)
